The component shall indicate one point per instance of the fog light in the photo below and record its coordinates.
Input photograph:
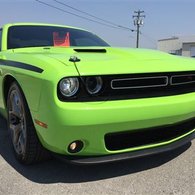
(75, 146)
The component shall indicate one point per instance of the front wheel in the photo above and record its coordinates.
(26, 145)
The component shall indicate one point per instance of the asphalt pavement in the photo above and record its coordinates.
(168, 173)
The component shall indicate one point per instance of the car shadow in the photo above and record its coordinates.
(54, 171)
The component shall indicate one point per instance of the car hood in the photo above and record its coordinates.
(103, 61)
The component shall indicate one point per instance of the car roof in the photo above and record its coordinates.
(39, 24)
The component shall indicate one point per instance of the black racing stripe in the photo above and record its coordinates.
(20, 65)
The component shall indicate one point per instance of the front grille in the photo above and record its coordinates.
(140, 82)
(182, 79)
(134, 86)
(142, 137)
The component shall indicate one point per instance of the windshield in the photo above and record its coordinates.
(43, 36)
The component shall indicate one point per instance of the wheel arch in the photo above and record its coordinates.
(30, 87)
(8, 80)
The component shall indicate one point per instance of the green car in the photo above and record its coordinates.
(65, 91)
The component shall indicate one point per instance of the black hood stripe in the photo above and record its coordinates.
(20, 65)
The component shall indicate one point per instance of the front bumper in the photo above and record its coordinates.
(125, 156)
(90, 122)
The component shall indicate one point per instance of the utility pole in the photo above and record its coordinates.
(138, 21)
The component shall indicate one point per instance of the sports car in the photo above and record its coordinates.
(64, 91)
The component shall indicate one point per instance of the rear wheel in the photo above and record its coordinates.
(26, 145)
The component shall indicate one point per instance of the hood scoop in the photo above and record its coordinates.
(90, 50)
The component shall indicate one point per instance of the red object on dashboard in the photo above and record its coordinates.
(61, 41)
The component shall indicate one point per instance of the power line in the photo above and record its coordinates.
(62, 10)
(93, 16)
(150, 39)
(85, 18)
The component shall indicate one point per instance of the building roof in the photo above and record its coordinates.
(169, 39)
(182, 39)
(187, 39)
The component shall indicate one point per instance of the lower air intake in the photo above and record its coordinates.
(142, 137)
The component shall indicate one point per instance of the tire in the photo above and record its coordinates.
(26, 145)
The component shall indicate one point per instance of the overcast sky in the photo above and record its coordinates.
(164, 18)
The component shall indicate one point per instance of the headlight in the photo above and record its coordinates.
(93, 85)
(69, 86)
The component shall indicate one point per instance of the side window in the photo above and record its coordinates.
(0, 38)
